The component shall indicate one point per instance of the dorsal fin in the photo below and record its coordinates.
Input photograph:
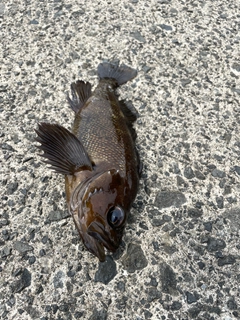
(128, 110)
(81, 91)
(130, 115)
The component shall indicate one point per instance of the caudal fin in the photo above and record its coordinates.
(121, 73)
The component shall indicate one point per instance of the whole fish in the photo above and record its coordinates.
(98, 158)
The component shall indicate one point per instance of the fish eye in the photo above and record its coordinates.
(115, 217)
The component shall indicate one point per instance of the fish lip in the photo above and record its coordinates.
(97, 231)
(100, 253)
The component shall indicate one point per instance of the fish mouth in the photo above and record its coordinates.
(98, 250)
(97, 231)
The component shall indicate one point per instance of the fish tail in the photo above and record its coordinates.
(121, 74)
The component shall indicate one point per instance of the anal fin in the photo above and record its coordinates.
(62, 149)
(81, 91)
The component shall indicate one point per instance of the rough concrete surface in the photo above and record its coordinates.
(180, 253)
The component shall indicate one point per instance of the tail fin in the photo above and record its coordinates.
(121, 74)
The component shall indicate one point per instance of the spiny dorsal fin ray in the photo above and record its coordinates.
(64, 152)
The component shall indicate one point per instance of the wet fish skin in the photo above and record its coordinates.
(101, 167)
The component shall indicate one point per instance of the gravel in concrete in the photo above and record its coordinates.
(180, 253)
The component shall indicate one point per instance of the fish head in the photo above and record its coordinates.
(102, 212)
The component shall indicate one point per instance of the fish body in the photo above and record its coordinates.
(98, 158)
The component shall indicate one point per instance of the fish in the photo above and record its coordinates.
(98, 158)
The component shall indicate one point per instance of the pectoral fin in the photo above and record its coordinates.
(64, 152)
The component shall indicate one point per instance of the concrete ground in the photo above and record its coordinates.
(180, 253)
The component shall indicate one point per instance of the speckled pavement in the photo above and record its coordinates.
(180, 253)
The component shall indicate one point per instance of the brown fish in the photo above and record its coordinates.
(99, 159)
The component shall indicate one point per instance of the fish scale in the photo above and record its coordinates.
(103, 132)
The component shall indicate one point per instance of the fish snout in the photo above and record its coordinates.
(109, 238)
